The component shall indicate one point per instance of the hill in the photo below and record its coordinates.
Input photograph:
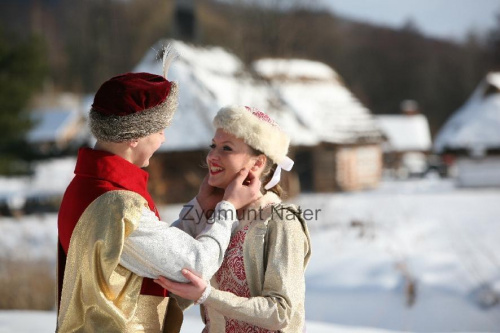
(89, 41)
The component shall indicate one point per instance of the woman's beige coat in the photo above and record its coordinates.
(276, 251)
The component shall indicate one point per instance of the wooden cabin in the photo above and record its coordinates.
(407, 143)
(471, 137)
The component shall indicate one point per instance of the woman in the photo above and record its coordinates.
(260, 286)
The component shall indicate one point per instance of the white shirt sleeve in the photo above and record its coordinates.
(157, 248)
(192, 219)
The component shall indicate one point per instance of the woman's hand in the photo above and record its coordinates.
(208, 196)
(192, 290)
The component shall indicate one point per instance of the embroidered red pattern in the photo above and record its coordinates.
(231, 277)
(261, 115)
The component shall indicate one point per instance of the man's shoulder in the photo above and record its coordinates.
(120, 200)
(113, 211)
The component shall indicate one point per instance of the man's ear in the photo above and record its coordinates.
(260, 162)
(133, 143)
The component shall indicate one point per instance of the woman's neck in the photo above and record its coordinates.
(263, 201)
(242, 210)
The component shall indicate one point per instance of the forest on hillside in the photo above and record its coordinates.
(87, 41)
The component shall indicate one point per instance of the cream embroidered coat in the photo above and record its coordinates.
(276, 251)
(100, 294)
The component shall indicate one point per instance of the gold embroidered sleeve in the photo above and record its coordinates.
(94, 282)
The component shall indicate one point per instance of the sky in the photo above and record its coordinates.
(438, 18)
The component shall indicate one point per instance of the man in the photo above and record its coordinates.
(111, 241)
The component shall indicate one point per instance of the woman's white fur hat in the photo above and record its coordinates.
(256, 128)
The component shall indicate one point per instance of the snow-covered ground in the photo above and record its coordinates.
(417, 256)
(44, 321)
(372, 248)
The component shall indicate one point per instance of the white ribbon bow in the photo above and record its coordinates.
(285, 164)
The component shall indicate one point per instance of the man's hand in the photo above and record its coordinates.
(192, 290)
(244, 189)
(208, 196)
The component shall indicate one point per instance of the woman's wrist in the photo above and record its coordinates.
(204, 295)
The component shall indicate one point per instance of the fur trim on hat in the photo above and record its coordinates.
(257, 133)
(136, 125)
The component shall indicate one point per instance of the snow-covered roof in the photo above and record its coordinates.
(50, 123)
(405, 132)
(475, 126)
(294, 69)
(308, 101)
(319, 101)
(208, 79)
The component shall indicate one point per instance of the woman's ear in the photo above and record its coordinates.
(260, 162)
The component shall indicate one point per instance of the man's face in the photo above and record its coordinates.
(146, 147)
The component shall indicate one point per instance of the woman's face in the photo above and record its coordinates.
(228, 155)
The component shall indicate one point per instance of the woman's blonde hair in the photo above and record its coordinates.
(267, 175)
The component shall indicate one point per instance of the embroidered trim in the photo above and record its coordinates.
(205, 294)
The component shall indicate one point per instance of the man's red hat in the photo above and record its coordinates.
(133, 105)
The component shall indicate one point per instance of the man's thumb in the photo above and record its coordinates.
(242, 175)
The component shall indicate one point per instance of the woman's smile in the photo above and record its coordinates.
(215, 169)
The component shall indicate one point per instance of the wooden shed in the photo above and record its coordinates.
(408, 142)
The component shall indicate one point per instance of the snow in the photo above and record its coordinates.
(323, 109)
(50, 124)
(208, 79)
(478, 172)
(36, 236)
(406, 132)
(53, 174)
(294, 69)
(475, 125)
(51, 178)
(369, 248)
(306, 98)
(44, 321)
(445, 239)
